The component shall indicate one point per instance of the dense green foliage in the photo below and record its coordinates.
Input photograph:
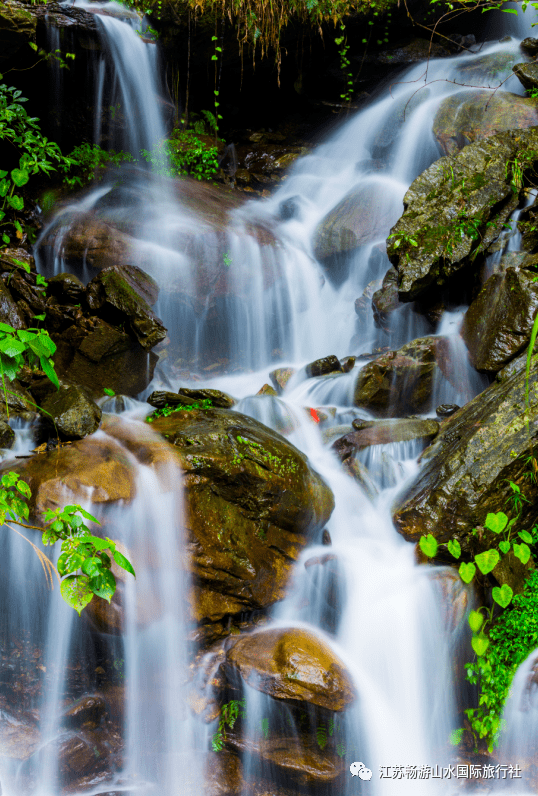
(184, 153)
(87, 160)
(84, 566)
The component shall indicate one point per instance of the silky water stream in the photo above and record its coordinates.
(399, 628)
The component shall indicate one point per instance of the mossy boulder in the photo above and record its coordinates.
(527, 74)
(473, 115)
(252, 503)
(498, 324)
(466, 473)
(456, 209)
(72, 412)
(291, 664)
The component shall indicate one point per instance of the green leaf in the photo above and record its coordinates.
(92, 566)
(496, 522)
(522, 551)
(11, 347)
(24, 489)
(47, 367)
(525, 536)
(467, 572)
(10, 479)
(104, 585)
(122, 562)
(504, 547)
(502, 596)
(108, 391)
(428, 545)
(476, 620)
(76, 591)
(70, 562)
(16, 202)
(454, 548)
(97, 542)
(487, 560)
(480, 644)
(20, 177)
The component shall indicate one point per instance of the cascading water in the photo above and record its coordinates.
(244, 287)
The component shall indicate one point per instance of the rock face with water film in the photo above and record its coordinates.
(252, 503)
(383, 433)
(401, 382)
(472, 116)
(467, 470)
(456, 208)
(498, 324)
(291, 664)
(360, 218)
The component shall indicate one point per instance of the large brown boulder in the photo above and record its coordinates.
(291, 664)
(472, 115)
(401, 382)
(467, 471)
(498, 324)
(252, 503)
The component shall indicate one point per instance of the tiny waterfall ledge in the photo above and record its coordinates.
(246, 289)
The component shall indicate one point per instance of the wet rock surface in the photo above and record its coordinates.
(456, 209)
(383, 433)
(400, 382)
(498, 324)
(291, 664)
(472, 116)
(252, 504)
(527, 74)
(72, 412)
(467, 470)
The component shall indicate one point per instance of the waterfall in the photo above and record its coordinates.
(242, 290)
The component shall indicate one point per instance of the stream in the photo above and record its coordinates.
(398, 627)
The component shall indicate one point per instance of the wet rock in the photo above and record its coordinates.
(67, 287)
(18, 399)
(416, 50)
(383, 433)
(252, 503)
(446, 410)
(530, 46)
(73, 473)
(289, 208)
(363, 305)
(186, 396)
(348, 363)
(471, 116)
(361, 217)
(9, 311)
(96, 243)
(493, 66)
(466, 472)
(79, 754)
(89, 710)
(498, 324)
(19, 736)
(360, 473)
(280, 377)
(321, 367)
(128, 292)
(299, 760)
(511, 571)
(527, 74)
(527, 224)
(72, 411)
(291, 664)
(451, 223)
(400, 382)
(267, 390)
(326, 537)
(7, 435)
(385, 300)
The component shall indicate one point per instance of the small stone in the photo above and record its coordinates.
(323, 366)
(348, 363)
(446, 410)
(326, 537)
(280, 378)
(267, 390)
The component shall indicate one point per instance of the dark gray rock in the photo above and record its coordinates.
(323, 366)
(73, 412)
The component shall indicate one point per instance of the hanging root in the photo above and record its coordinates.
(48, 567)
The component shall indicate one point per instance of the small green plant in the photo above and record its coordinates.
(84, 568)
(32, 347)
(36, 153)
(184, 154)
(167, 410)
(88, 162)
(109, 392)
(229, 713)
(343, 48)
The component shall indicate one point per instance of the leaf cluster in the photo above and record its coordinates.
(167, 410)
(229, 713)
(84, 566)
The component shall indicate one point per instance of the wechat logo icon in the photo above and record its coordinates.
(359, 770)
